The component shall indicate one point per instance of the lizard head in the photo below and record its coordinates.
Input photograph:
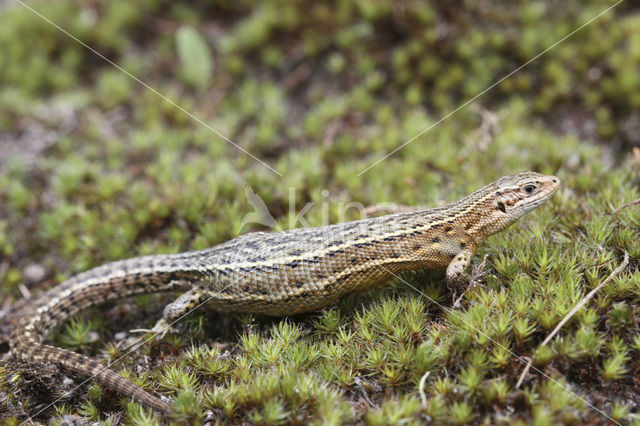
(516, 195)
(508, 199)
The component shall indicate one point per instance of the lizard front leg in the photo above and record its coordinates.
(457, 277)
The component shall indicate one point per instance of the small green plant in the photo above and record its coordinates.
(174, 377)
(78, 334)
(196, 63)
(613, 368)
(186, 407)
(461, 413)
(139, 416)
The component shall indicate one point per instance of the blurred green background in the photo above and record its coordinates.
(95, 167)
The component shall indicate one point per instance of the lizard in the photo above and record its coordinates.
(282, 273)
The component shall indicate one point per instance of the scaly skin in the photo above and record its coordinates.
(284, 273)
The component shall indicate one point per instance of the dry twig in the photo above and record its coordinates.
(624, 206)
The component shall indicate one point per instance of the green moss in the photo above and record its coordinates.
(320, 92)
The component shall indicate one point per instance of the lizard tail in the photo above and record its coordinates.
(77, 363)
(96, 286)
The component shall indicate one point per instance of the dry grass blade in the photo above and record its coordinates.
(575, 309)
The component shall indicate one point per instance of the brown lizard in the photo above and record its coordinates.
(283, 273)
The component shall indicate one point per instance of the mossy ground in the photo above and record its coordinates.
(94, 168)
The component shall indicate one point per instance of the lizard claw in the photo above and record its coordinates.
(158, 331)
(479, 273)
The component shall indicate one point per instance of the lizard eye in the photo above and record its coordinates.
(529, 189)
